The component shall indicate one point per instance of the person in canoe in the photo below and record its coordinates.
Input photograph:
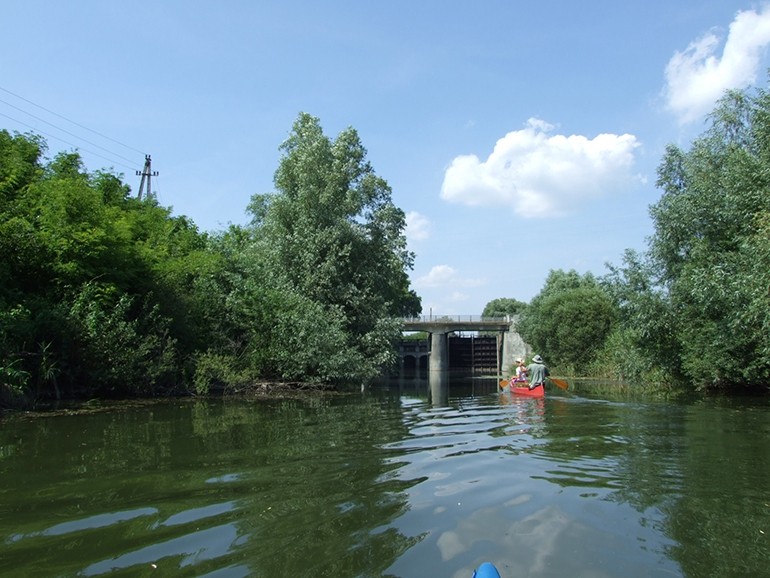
(521, 373)
(537, 371)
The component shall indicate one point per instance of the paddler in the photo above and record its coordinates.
(537, 372)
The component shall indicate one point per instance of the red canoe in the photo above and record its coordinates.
(522, 388)
(525, 391)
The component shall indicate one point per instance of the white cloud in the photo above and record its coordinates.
(446, 276)
(698, 77)
(542, 174)
(458, 297)
(417, 226)
(438, 275)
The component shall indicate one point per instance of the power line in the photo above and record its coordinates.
(147, 173)
(70, 121)
(66, 142)
(65, 131)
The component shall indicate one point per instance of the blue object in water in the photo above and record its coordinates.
(486, 570)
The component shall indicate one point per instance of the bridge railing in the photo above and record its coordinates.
(464, 318)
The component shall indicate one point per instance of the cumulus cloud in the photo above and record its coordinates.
(458, 297)
(445, 276)
(417, 226)
(541, 174)
(698, 77)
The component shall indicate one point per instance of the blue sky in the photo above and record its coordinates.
(518, 137)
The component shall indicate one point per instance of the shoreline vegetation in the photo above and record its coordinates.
(271, 390)
(263, 390)
(104, 295)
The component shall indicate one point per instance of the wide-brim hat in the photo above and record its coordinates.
(537, 359)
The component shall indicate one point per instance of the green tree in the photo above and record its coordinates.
(121, 348)
(20, 165)
(83, 307)
(643, 347)
(706, 249)
(104, 294)
(569, 320)
(332, 234)
(503, 307)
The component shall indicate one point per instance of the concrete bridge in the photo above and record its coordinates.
(509, 343)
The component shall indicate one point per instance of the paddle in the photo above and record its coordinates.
(559, 382)
(507, 382)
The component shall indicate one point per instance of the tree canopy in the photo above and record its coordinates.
(694, 308)
(709, 250)
(331, 233)
(105, 294)
(503, 307)
(569, 319)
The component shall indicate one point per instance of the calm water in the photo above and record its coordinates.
(395, 482)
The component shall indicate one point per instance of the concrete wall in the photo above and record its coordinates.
(513, 348)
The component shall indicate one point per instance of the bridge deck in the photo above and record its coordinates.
(431, 323)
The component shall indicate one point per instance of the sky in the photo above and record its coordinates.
(518, 137)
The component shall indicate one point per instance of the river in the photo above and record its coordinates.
(394, 482)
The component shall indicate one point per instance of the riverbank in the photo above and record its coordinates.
(277, 389)
(261, 389)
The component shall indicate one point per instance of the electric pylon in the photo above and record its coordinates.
(147, 174)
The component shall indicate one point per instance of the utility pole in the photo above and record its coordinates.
(147, 174)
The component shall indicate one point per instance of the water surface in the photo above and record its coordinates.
(394, 482)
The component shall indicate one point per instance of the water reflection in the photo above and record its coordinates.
(439, 388)
(527, 414)
(287, 488)
(194, 548)
(88, 523)
(414, 479)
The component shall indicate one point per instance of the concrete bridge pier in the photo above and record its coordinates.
(438, 369)
(439, 357)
